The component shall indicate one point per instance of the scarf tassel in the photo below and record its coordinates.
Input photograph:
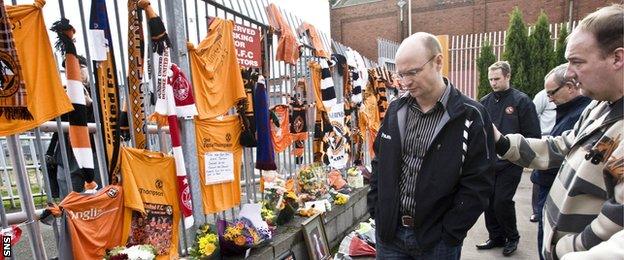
(160, 39)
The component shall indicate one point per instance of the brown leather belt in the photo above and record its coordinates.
(407, 221)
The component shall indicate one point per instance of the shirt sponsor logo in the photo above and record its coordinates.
(208, 143)
(151, 192)
(90, 214)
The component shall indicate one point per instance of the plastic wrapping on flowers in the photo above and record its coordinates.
(339, 198)
(312, 182)
(238, 236)
(206, 244)
(137, 252)
(280, 201)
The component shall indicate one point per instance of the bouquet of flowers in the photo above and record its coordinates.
(340, 198)
(280, 201)
(137, 252)
(312, 183)
(281, 207)
(206, 243)
(354, 177)
(240, 235)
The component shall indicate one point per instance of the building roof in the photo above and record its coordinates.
(344, 3)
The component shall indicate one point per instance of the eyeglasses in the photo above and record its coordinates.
(413, 72)
(551, 93)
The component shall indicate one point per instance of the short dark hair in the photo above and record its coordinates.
(607, 26)
(501, 65)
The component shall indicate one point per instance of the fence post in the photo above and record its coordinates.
(179, 56)
(5, 177)
(32, 225)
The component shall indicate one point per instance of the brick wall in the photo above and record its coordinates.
(359, 26)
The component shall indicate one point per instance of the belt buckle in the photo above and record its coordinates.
(407, 221)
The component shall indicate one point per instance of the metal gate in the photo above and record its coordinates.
(23, 171)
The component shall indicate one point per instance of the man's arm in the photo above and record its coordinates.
(610, 220)
(535, 153)
(610, 249)
(371, 197)
(476, 180)
(540, 154)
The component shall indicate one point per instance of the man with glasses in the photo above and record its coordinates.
(566, 95)
(433, 170)
(511, 111)
(585, 203)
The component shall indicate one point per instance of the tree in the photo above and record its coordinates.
(516, 49)
(541, 54)
(486, 58)
(561, 45)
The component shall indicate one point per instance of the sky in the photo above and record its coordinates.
(315, 12)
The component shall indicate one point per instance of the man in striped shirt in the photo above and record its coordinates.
(433, 168)
(585, 203)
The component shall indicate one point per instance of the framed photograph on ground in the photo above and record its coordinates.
(316, 239)
(288, 255)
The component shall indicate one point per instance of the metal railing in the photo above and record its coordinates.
(465, 49)
(386, 49)
(22, 157)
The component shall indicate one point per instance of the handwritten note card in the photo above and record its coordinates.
(219, 167)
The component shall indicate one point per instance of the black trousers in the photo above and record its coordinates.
(500, 217)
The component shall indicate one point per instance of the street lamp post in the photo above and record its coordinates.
(401, 4)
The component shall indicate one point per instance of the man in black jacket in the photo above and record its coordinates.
(433, 170)
(511, 111)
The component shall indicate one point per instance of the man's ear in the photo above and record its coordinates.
(571, 86)
(618, 61)
(439, 61)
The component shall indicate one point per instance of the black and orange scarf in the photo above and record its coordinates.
(78, 130)
(298, 121)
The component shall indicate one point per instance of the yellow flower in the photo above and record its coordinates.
(205, 228)
(212, 238)
(209, 249)
(205, 246)
(233, 231)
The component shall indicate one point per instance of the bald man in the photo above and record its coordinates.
(433, 170)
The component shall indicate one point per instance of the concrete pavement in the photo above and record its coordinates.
(527, 249)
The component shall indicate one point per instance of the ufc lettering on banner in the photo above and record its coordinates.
(247, 44)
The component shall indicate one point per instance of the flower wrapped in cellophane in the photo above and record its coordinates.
(136, 252)
(312, 182)
(279, 199)
(238, 236)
